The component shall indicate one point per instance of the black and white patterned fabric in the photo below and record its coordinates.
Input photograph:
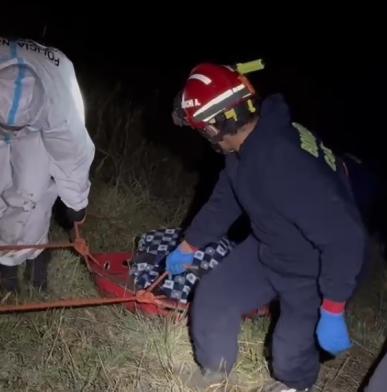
(149, 262)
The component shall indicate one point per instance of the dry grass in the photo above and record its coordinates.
(106, 348)
(109, 349)
(103, 349)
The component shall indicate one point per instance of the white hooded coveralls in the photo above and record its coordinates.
(45, 149)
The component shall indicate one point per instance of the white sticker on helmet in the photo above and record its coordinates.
(202, 78)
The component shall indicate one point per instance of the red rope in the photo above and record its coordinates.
(80, 246)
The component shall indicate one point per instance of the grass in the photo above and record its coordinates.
(109, 349)
(106, 348)
(103, 349)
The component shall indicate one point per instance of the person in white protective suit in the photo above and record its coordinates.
(45, 152)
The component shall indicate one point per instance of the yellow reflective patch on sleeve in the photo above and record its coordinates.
(309, 143)
(329, 157)
(307, 139)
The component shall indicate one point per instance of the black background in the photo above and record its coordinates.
(327, 60)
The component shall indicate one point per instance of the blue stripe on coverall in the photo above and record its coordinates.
(18, 86)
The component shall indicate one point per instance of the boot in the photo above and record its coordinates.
(277, 386)
(36, 271)
(9, 278)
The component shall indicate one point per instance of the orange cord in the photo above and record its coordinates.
(80, 245)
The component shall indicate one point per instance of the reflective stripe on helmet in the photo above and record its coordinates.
(202, 78)
(225, 100)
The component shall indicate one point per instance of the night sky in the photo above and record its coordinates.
(335, 83)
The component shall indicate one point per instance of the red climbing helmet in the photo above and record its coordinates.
(210, 90)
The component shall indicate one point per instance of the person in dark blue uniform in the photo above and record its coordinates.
(307, 239)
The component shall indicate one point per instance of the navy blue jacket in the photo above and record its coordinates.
(298, 199)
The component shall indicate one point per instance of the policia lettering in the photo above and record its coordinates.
(309, 143)
(49, 53)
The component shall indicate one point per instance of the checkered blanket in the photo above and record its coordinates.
(149, 262)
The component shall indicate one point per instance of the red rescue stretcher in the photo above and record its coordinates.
(110, 272)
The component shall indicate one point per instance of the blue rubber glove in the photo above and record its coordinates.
(177, 260)
(332, 332)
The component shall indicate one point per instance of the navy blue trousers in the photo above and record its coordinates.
(240, 285)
